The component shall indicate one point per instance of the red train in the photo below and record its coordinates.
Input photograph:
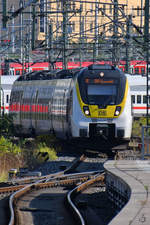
(14, 68)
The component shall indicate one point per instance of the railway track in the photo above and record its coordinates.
(57, 183)
(61, 178)
(25, 204)
(6, 191)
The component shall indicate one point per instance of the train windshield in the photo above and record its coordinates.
(101, 95)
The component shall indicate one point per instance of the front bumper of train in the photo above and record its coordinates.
(101, 129)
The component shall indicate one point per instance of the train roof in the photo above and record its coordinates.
(7, 87)
(8, 79)
(49, 75)
(100, 70)
(136, 80)
(6, 82)
(69, 73)
(137, 83)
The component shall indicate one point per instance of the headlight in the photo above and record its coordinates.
(117, 111)
(86, 110)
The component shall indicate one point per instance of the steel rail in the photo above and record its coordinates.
(38, 185)
(58, 175)
(48, 177)
(75, 191)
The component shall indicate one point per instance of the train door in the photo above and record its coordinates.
(65, 109)
(11, 72)
(63, 105)
(57, 109)
(50, 115)
(31, 110)
(34, 111)
(5, 102)
(69, 113)
(50, 102)
(132, 69)
(21, 103)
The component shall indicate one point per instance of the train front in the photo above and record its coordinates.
(102, 103)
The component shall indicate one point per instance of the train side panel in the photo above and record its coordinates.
(41, 109)
(60, 107)
(138, 95)
(79, 123)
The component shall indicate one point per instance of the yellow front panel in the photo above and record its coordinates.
(108, 112)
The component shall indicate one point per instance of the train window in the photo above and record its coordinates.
(17, 72)
(144, 99)
(138, 99)
(133, 98)
(7, 98)
(136, 70)
(142, 70)
(104, 95)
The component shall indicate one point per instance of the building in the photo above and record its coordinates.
(59, 24)
(89, 17)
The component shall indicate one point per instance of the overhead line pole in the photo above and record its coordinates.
(146, 44)
(46, 31)
(96, 30)
(33, 26)
(115, 32)
(80, 44)
(65, 16)
(4, 13)
(13, 35)
(21, 37)
(128, 42)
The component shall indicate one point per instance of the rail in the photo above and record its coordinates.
(75, 191)
(14, 197)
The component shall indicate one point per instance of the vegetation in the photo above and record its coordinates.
(6, 146)
(45, 153)
(15, 153)
(6, 126)
(137, 126)
(3, 176)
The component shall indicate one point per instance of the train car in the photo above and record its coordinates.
(9, 67)
(90, 102)
(6, 83)
(138, 87)
(138, 67)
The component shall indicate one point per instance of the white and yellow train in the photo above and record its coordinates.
(90, 102)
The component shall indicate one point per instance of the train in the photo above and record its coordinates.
(16, 68)
(9, 67)
(137, 85)
(138, 88)
(83, 103)
(6, 83)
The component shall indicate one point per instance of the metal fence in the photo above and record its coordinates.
(145, 142)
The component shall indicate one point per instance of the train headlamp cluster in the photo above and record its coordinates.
(86, 110)
(117, 111)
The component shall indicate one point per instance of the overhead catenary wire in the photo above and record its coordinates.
(91, 36)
